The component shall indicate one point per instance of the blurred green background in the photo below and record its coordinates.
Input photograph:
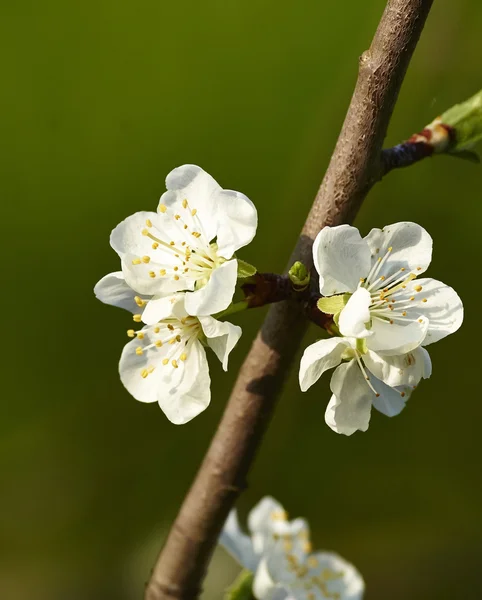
(100, 100)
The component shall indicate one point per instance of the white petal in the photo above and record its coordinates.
(237, 222)
(353, 400)
(191, 183)
(341, 258)
(237, 543)
(127, 237)
(161, 307)
(131, 366)
(411, 247)
(318, 358)
(267, 511)
(390, 338)
(263, 584)
(400, 369)
(113, 289)
(436, 301)
(355, 314)
(342, 578)
(218, 292)
(192, 394)
(390, 401)
(222, 336)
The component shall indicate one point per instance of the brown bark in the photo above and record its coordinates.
(355, 166)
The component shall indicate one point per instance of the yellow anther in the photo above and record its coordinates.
(194, 211)
(155, 246)
(176, 268)
(184, 203)
(379, 259)
(418, 288)
(152, 274)
(145, 232)
(162, 272)
(170, 327)
(196, 234)
(174, 363)
(139, 301)
(390, 249)
(165, 361)
(157, 329)
(162, 208)
(137, 318)
(176, 277)
(177, 217)
(146, 259)
(136, 261)
(183, 320)
(403, 269)
(148, 222)
(139, 350)
(176, 255)
(185, 226)
(391, 322)
(377, 395)
(424, 300)
(377, 250)
(131, 333)
(383, 277)
(183, 356)
(362, 280)
(420, 320)
(178, 338)
(419, 268)
(404, 314)
(412, 298)
(186, 269)
(183, 244)
(171, 243)
(140, 335)
(279, 515)
(159, 343)
(402, 394)
(312, 562)
(144, 373)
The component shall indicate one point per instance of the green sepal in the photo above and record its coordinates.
(245, 270)
(333, 305)
(242, 588)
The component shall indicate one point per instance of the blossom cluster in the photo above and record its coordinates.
(279, 554)
(178, 270)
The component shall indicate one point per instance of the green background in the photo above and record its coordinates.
(100, 100)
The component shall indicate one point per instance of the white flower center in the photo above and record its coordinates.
(190, 255)
(386, 290)
(173, 337)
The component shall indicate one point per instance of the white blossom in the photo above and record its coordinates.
(166, 361)
(188, 244)
(387, 316)
(279, 553)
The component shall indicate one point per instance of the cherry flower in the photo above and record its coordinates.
(188, 244)
(279, 554)
(385, 316)
(166, 361)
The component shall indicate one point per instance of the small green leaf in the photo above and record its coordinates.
(245, 270)
(333, 304)
(242, 588)
(466, 119)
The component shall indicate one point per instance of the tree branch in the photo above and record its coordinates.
(354, 168)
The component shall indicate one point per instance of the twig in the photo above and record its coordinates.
(354, 168)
